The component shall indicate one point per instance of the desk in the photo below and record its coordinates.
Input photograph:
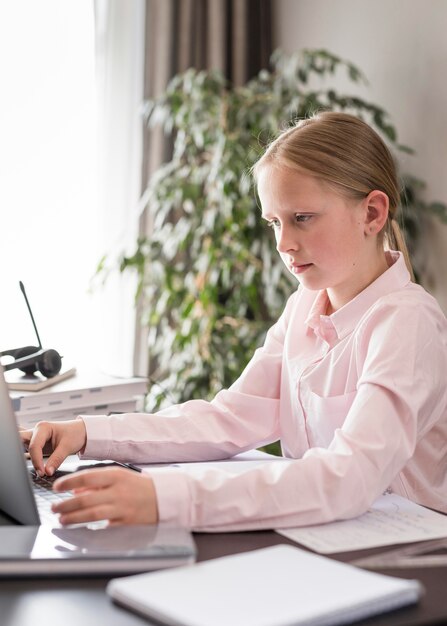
(83, 602)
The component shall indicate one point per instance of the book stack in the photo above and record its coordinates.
(81, 394)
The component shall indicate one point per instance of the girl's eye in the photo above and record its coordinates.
(299, 219)
(273, 224)
(302, 218)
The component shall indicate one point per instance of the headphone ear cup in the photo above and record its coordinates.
(26, 351)
(50, 363)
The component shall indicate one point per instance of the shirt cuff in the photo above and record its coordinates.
(99, 437)
(173, 496)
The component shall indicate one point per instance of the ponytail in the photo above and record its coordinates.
(396, 241)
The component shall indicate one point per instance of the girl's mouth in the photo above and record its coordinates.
(299, 269)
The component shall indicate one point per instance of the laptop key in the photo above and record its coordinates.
(43, 489)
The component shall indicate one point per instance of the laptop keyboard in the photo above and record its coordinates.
(45, 496)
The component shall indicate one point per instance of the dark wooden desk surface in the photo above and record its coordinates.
(83, 602)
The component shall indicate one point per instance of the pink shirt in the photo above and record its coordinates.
(358, 398)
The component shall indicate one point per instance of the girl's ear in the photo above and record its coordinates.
(377, 207)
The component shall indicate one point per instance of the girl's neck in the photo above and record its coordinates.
(337, 299)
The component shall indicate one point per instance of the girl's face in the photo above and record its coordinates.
(325, 240)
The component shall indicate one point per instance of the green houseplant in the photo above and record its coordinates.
(209, 278)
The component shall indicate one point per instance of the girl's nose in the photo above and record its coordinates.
(285, 240)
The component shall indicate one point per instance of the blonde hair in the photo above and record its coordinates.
(346, 152)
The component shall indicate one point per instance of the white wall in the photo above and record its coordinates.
(401, 46)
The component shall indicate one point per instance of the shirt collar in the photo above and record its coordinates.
(333, 328)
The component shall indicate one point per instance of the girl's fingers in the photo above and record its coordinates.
(84, 500)
(56, 458)
(39, 437)
(89, 506)
(89, 479)
(25, 435)
(93, 498)
(118, 495)
(92, 514)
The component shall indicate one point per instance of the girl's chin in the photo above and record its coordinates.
(309, 281)
(303, 273)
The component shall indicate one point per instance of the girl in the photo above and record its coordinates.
(351, 378)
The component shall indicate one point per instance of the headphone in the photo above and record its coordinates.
(31, 359)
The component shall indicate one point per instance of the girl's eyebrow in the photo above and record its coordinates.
(268, 216)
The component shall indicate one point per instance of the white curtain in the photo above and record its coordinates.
(70, 128)
(48, 214)
(119, 37)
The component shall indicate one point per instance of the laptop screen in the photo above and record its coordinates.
(16, 496)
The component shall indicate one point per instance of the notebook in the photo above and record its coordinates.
(276, 586)
(45, 547)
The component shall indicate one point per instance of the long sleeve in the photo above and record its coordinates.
(358, 399)
(241, 418)
(400, 398)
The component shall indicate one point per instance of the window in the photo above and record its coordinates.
(53, 221)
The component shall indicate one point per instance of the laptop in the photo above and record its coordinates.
(35, 543)
(17, 497)
(27, 499)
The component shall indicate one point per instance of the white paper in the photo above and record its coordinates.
(234, 465)
(391, 520)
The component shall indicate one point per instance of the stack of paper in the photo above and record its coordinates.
(88, 394)
(391, 520)
(277, 586)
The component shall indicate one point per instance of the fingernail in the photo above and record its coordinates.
(50, 471)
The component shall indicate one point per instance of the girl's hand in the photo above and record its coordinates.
(119, 495)
(59, 439)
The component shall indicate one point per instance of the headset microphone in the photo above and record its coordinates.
(30, 359)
